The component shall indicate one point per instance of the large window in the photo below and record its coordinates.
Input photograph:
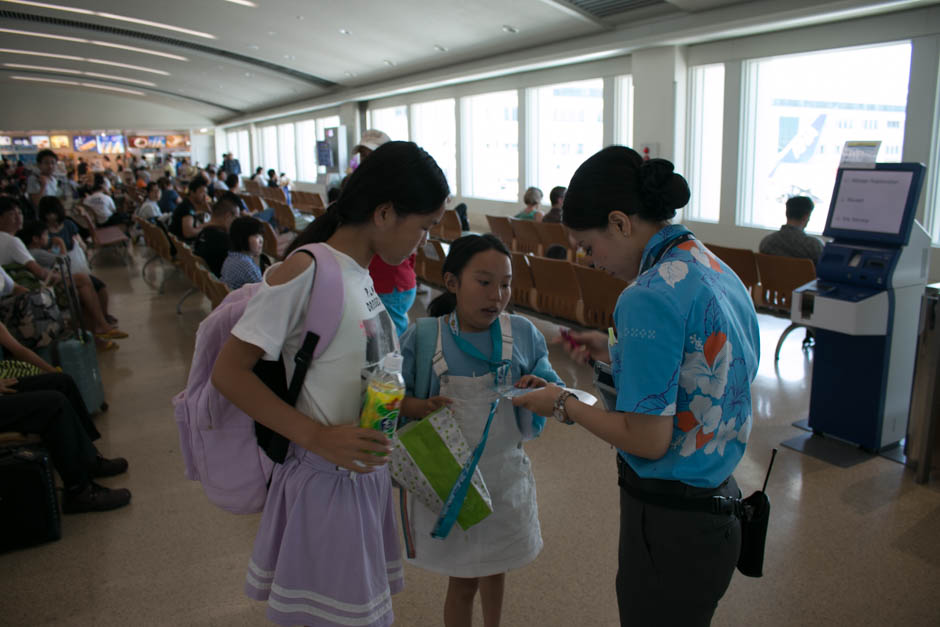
(393, 121)
(568, 127)
(799, 112)
(491, 155)
(706, 114)
(307, 150)
(434, 125)
(286, 151)
(623, 110)
(269, 148)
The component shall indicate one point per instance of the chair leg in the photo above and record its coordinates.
(793, 326)
(179, 305)
(143, 270)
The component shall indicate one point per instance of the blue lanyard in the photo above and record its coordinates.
(666, 248)
(498, 366)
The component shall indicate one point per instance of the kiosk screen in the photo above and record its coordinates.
(871, 200)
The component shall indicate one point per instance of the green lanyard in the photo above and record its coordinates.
(499, 367)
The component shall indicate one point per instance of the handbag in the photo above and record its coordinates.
(33, 318)
(429, 458)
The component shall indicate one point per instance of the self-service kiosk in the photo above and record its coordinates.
(864, 305)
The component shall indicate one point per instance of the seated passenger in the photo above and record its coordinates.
(557, 198)
(242, 266)
(212, 243)
(169, 198)
(790, 240)
(51, 406)
(185, 223)
(150, 209)
(532, 198)
(12, 250)
(102, 207)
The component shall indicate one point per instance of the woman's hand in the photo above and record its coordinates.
(582, 346)
(531, 381)
(350, 447)
(541, 402)
(8, 386)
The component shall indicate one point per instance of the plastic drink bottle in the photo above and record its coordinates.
(384, 393)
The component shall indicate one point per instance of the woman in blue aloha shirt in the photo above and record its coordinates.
(685, 352)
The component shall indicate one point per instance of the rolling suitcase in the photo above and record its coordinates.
(29, 510)
(76, 355)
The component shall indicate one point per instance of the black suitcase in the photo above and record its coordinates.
(29, 509)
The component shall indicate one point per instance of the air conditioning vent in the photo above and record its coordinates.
(606, 8)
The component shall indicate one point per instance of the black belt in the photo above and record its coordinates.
(715, 504)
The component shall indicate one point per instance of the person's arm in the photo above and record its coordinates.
(190, 229)
(539, 216)
(643, 435)
(41, 273)
(58, 241)
(20, 352)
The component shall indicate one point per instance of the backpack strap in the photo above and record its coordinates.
(425, 345)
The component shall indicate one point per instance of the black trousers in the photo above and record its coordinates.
(50, 406)
(674, 566)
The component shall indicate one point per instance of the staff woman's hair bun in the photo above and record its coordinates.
(662, 191)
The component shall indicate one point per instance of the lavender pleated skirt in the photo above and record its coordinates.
(327, 552)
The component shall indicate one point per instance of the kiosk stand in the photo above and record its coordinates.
(865, 305)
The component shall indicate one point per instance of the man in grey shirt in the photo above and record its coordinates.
(790, 240)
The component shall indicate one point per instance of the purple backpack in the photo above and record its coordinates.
(218, 441)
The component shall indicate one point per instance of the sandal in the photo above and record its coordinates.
(113, 334)
(107, 345)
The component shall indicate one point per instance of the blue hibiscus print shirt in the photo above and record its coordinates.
(687, 346)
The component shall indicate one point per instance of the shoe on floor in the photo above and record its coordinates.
(103, 467)
(113, 334)
(95, 498)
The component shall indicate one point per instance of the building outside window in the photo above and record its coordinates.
(434, 128)
(491, 146)
(797, 103)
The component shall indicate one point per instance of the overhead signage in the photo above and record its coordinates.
(85, 143)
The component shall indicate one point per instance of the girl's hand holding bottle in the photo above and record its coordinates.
(351, 447)
(418, 408)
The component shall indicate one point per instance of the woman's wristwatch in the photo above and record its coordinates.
(560, 413)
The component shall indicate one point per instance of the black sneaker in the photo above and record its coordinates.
(103, 467)
(95, 498)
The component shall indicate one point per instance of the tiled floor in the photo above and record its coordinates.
(856, 546)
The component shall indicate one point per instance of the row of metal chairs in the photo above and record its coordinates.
(553, 287)
(770, 279)
(527, 236)
(177, 254)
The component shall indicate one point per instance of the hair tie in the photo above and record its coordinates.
(655, 176)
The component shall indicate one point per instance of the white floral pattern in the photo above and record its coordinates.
(673, 272)
(710, 378)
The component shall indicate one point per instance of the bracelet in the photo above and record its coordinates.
(561, 413)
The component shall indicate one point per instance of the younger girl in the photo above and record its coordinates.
(478, 347)
(327, 551)
(242, 263)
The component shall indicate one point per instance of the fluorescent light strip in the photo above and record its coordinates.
(44, 80)
(77, 84)
(142, 50)
(244, 3)
(120, 78)
(109, 88)
(79, 40)
(54, 7)
(62, 70)
(41, 68)
(113, 16)
(70, 57)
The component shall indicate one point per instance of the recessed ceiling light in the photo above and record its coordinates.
(510, 29)
(248, 74)
(114, 16)
(440, 48)
(252, 46)
(106, 44)
(272, 33)
(388, 62)
(349, 74)
(343, 31)
(203, 130)
(244, 3)
(300, 17)
(74, 58)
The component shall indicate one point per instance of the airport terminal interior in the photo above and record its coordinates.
(755, 102)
